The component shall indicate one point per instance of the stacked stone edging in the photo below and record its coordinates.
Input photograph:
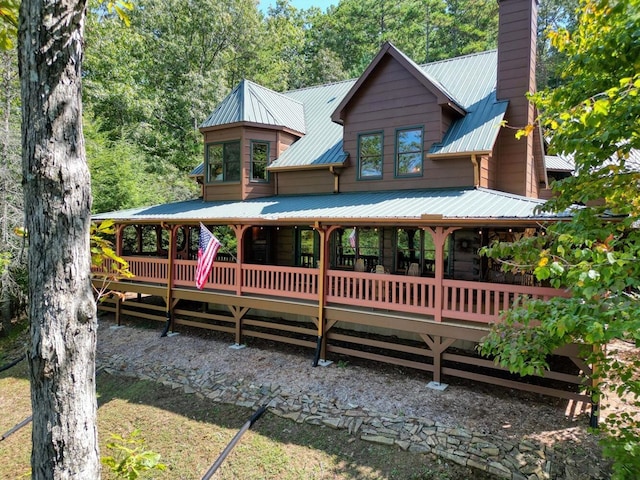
(505, 458)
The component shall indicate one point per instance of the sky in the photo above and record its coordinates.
(300, 4)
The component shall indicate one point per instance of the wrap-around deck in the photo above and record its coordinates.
(426, 323)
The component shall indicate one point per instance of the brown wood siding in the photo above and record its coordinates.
(222, 191)
(515, 171)
(388, 249)
(257, 189)
(285, 246)
(301, 182)
(447, 119)
(487, 171)
(285, 140)
(390, 99)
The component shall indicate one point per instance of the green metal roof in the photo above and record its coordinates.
(472, 80)
(484, 205)
(322, 145)
(250, 102)
(559, 163)
(469, 81)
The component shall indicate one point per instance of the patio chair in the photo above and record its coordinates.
(413, 270)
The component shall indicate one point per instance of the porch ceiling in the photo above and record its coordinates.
(436, 206)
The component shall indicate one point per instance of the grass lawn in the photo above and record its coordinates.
(190, 432)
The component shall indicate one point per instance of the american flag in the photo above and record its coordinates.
(207, 251)
(352, 238)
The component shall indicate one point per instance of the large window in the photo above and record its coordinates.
(259, 161)
(223, 162)
(409, 152)
(370, 153)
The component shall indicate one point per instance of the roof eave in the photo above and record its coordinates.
(266, 126)
(436, 156)
(292, 168)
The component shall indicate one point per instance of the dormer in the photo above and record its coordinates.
(408, 126)
(388, 52)
(248, 130)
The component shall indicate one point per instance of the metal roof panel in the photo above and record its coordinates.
(476, 204)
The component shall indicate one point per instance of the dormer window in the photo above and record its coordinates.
(259, 161)
(223, 162)
(370, 151)
(409, 148)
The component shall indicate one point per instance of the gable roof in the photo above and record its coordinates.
(250, 102)
(322, 144)
(433, 85)
(467, 84)
(462, 205)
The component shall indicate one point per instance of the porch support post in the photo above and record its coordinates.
(170, 255)
(239, 231)
(323, 264)
(119, 239)
(238, 314)
(437, 345)
(320, 347)
(439, 235)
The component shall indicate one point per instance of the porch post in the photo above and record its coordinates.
(238, 316)
(119, 239)
(439, 235)
(322, 267)
(169, 300)
(239, 231)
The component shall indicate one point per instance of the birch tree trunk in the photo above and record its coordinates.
(57, 209)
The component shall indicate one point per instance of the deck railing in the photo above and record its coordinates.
(381, 290)
(290, 282)
(462, 300)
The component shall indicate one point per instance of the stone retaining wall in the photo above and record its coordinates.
(517, 460)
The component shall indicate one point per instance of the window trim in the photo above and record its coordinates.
(396, 154)
(251, 162)
(371, 177)
(224, 164)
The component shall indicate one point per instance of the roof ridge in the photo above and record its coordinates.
(319, 85)
(459, 57)
(280, 94)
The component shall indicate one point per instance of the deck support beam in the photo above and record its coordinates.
(171, 253)
(238, 314)
(437, 345)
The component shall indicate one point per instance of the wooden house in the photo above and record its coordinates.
(353, 213)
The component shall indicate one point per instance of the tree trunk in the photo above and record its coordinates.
(57, 209)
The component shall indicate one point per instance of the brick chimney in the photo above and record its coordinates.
(517, 35)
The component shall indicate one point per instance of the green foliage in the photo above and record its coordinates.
(8, 23)
(595, 255)
(130, 459)
(106, 265)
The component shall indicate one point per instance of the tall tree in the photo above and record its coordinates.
(12, 265)
(552, 16)
(57, 210)
(594, 116)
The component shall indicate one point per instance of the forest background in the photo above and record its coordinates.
(148, 86)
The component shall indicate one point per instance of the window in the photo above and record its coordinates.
(370, 155)
(409, 152)
(308, 247)
(259, 161)
(223, 162)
